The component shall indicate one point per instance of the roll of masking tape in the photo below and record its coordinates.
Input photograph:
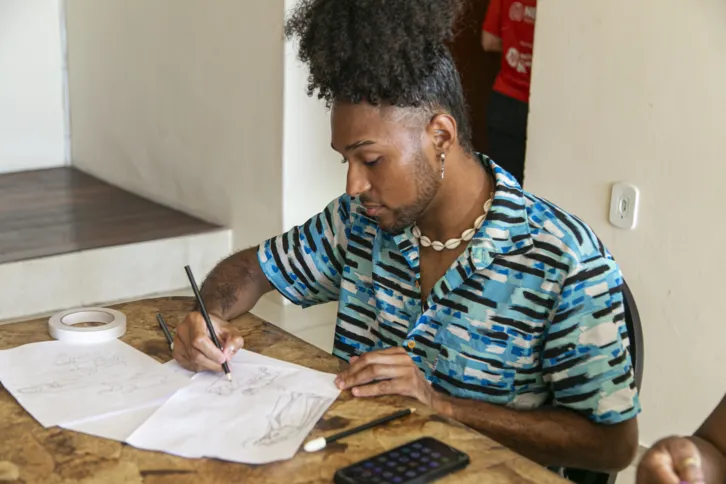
(62, 326)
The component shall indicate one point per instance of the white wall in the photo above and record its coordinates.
(81, 279)
(181, 101)
(634, 91)
(312, 172)
(32, 132)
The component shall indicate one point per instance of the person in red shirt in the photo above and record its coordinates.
(509, 29)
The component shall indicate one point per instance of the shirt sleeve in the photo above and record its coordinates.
(493, 20)
(586, 358)
(306, 264)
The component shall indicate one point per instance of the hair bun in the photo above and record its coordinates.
(371, 48)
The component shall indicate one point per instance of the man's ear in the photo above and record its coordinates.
(442, 132)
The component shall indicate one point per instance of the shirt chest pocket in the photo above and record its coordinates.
(481, 362)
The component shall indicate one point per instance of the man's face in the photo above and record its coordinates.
(392, 165)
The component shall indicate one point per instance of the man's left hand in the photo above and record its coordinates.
(386, 372)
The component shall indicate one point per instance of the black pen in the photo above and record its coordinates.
(165, 329)
(205, 315)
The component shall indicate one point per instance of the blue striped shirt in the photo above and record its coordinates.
(531, 314)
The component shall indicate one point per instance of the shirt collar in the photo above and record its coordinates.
(506, 227)
(504, 231)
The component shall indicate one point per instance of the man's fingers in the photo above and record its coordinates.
(673, 460)
(391, 356)
(397, 386)
(231, 342)
(686, 460)
(691, 473)
(376, 358)
(367, 367)
(227, 335)
(384, 357)
(181, 346)
(194, 348)
(180, 352)
(202, 352)
(386, 372)
(657, 468)
(200, 362)
(373, 372)
(393, 350)
(192, 359)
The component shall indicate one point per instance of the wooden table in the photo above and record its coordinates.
(55, 455)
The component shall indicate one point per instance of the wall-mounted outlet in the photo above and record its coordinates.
(624, 206)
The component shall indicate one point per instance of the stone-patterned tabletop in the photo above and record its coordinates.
(32, 454)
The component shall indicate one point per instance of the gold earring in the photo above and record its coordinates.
(443, 160)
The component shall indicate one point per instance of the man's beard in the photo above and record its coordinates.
(427, 184)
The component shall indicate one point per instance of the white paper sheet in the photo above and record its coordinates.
(263, 415)
(119, 426)
(60, 383)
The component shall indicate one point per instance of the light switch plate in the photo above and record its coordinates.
(624, 202)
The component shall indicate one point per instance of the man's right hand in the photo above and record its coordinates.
(194, 348)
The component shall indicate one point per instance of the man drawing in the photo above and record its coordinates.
(455, 287)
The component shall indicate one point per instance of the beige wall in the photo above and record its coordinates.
(181, 101)
(313, 174)
(32, 122)
(635, 92)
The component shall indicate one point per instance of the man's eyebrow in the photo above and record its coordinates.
(356, 145)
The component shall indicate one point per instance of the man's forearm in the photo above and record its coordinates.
(235, 285)
(551, 437)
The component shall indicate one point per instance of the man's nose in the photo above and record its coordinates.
(357, 181)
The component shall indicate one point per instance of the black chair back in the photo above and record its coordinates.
(635, 334)
(635, 337)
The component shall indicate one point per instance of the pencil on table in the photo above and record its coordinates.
(320, 443)
(205, 315)
(165, 329)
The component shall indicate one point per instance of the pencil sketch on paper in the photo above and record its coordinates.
(88, 363)
(268, 408)
(70, 373)
(62, 383)
(135, 383)
(251, 383)
(293, 413)
(124, 386)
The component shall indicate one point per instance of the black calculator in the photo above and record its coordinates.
(423, 460)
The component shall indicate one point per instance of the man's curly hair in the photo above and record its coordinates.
(382, 52)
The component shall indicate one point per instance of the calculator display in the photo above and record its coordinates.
(419, 461)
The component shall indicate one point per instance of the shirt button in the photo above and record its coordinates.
(411, 344)
(418, 285)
